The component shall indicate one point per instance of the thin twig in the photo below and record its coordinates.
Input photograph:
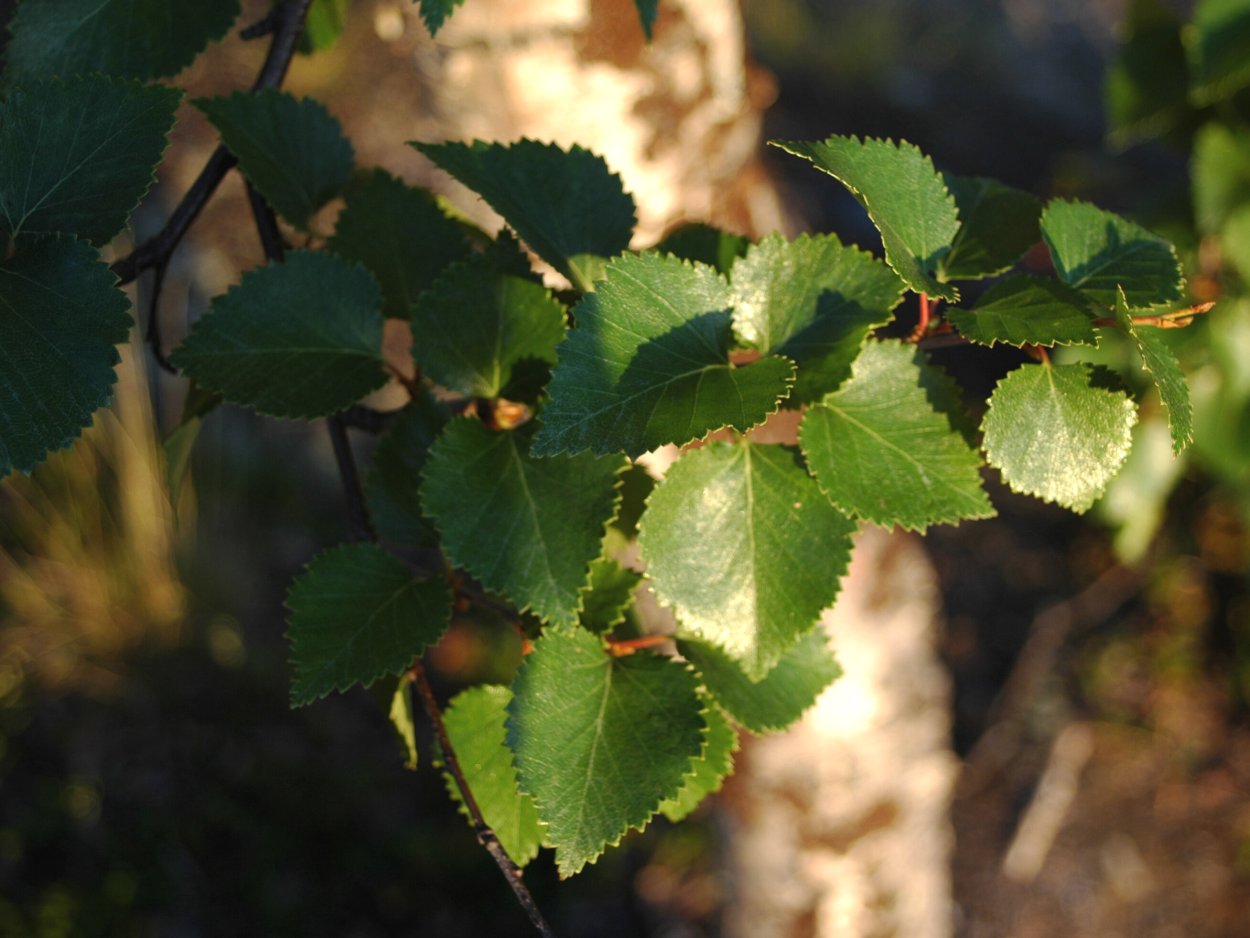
(266, 226)
(160, 248)
(153, 334)
(359, 526)
(485, 835)
(360, 417)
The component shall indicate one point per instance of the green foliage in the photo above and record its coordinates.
(140, 39)
(565, 204)
(435, 12)
(525, 527)
(400, 234)
(881, 452)
(357, 613)
(291, 150)
(60, 318)
(739, 540)
(600, 741)
(648, 364)
(904, 196)
(781, 696)
(1021, 310)
(76, 156)
(478, 328)
(1053, 433)
(511, 470)
(997, 224)
(814, 302)
(475, 722)
(1099, 253)
(302, 338)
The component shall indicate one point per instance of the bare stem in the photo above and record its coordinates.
(485, 835)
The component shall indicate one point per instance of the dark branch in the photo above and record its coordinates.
(266, 226)
(360, 417)
(485, 835)
(159, 249)
(359, 526)
(153, 334)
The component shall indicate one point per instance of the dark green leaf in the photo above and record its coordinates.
(527, 528)
(647, 10)
(608, 596)
(739, 540)
(291, 150)
(1054, 434)
(435, 12)
(1024, 310)
(813, 301)
(710, 769)
(476, 324)
(998, 224)
(301, 338)
(1097, 251)
(60, 318)
(392, 485)
(400, 234)
(565, 204)
(777, 701)
(881, 452)
(475, 725)
(648, 364)
(1145, 89)
(358, 613)
(127, 38)
(77, 156)
(1160, 362)
(1219, 50)
(903, 195)
(705, 244)
(600, 741)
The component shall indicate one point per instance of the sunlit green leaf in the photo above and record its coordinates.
(813, 301)
(1053, 433)
(608, 595)
(648, 364)
(881, 452)
(903, 195)
(1160, 362)
(600, 741)
(705, 244)
(739, 540)
(1097, 251)
(475, 725)
(709, 770)
(781, 697)
(1023, 310)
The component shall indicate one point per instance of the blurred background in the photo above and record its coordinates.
(153, 780)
